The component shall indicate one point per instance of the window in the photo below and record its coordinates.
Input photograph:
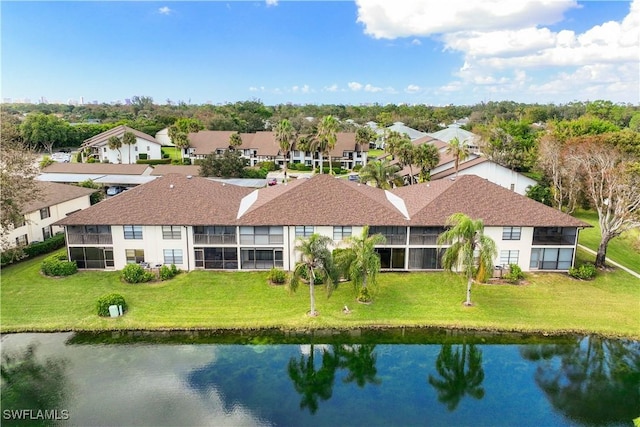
(134, 256)
(171, 232)
(425, 258)
(511, 233)
(45, 213)
(104, 149)
(304, 230)
(266, 235)
(261, 258)
(92, 257)
(424, 235)
(551, 258)
(341, 232)
(133, 232)
(391, 258)
(172, 256)
(509, 257)
(512, 187)
(22, 240)
(148, 148)
(217, 258)
(214, 234)
(394, 235)
(554, 235)
(46, 233)
(89, 234)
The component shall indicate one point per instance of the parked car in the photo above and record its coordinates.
(115, 189)
(272, 181)
(353, 177)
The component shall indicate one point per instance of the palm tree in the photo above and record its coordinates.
(235, 140)
(427, 157)
(285, 134)
(181, 141)
(459, 150)
(316, 259)
(364, 136)
(360, 262)
(393, 140)
(461, 374)
(381, 172)
(327, 137)
(114, 144)
(129, 139)
(407, 154)
(360, 362)
(466, 236)
(311, 383)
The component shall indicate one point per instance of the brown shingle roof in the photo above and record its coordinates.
(52, 193)
(322, 200)
(169, 200)
(103, 138)
(207, 141)
(96, 168)
(430, 204)
(160, 170)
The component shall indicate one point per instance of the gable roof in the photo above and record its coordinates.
(454, 131)
(322, 200)
(402, 129)
(97, 168)
(172, 199)
(192, 170)
(207, 141)
(103, 138)
(431, 203)
(52, 193)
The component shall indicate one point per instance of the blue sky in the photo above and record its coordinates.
(432, 52)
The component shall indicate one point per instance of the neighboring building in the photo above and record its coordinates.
(162, 136)
(146, 147)
(262, 146)
(55, 202)
(470, 139)
(105, 174)
(197, 223)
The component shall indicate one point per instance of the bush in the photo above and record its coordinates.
(356, 168)
(515, 273)
(168, 272)
(49, 245)
(92, 160)
(154, 162)
(277, 276)
(254, 173)
(584, 272)
(269, 166)
(111, 299)
(134, 273)
(58, 265)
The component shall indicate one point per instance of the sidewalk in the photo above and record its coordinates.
(609, 261)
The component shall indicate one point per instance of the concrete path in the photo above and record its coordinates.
(609, 261)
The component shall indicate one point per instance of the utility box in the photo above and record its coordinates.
(114, 311)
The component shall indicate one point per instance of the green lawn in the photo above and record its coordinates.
(173, 152)
(550, 303)
(624, 249)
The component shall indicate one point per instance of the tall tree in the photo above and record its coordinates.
(235, 140)
(316, 258)
(393, 140)
(466, 236)
(561, 171)
(365, 135)
(427, 157)
(115, 143)
(361, 263)
(285, 135)
(328, 136)
(407, 155)
(129, 139)
(611, 182)
(461, 374)
(181, 141)
(44, 130)
(383, 173)
(460, 152)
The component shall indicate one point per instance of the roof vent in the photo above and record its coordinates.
(170, 185)
(189, 176)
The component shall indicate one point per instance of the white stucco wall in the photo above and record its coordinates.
(142, 146)
(500, 175)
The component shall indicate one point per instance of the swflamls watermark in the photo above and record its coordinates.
(35, 414)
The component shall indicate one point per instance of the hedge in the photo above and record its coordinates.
(154, 162)
(34, 249)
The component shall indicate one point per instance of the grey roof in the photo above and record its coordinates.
(455, 131)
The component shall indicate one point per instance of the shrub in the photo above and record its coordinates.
(57, 265)
(268, 166)
(277, 276)
(168, 272)
(49, 245)
(515, 273)
(134, 273)
(111, 299)
(584, 272)
(356, 168)
(92, 160)
(79, 157)
(153, 162)
(254, 173)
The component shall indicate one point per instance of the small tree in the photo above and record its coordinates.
(460, 152)
(285, 135)
(427, 157)
(381, 172)
(316, 258)
(466, 236)
(115, 143)
(129, 139)
(235, 140)
(327, 138)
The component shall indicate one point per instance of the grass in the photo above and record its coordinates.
(624, 249)
(173, 152)
(548, 303)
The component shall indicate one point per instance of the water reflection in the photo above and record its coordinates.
(460, 374)
(359, 360)
(310, 382)
(593, 382)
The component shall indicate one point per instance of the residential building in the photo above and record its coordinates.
(145, 148)
(54, 202)
(197, 223)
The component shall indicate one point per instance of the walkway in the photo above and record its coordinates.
(609, 261)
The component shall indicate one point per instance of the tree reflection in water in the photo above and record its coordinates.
(594, 381)
(313, 384)
(30, 384)
(360, 362)
(460, 374)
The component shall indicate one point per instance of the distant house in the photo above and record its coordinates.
(106, 174)
(262, 146)
(216, 226)
(146, 147)
(470, 139)
(162, 136)
(54, 202)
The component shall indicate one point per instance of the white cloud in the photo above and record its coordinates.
(405, 18)
(272, 2)
(355, 86)
(332, 88)
(165, 10)
(413, 89)
(301, 89)
(416, 42)
(371, 88)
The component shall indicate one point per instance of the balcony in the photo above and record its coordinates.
(90, 239)
(214, 239)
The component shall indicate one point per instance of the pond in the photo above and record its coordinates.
(400, 377)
